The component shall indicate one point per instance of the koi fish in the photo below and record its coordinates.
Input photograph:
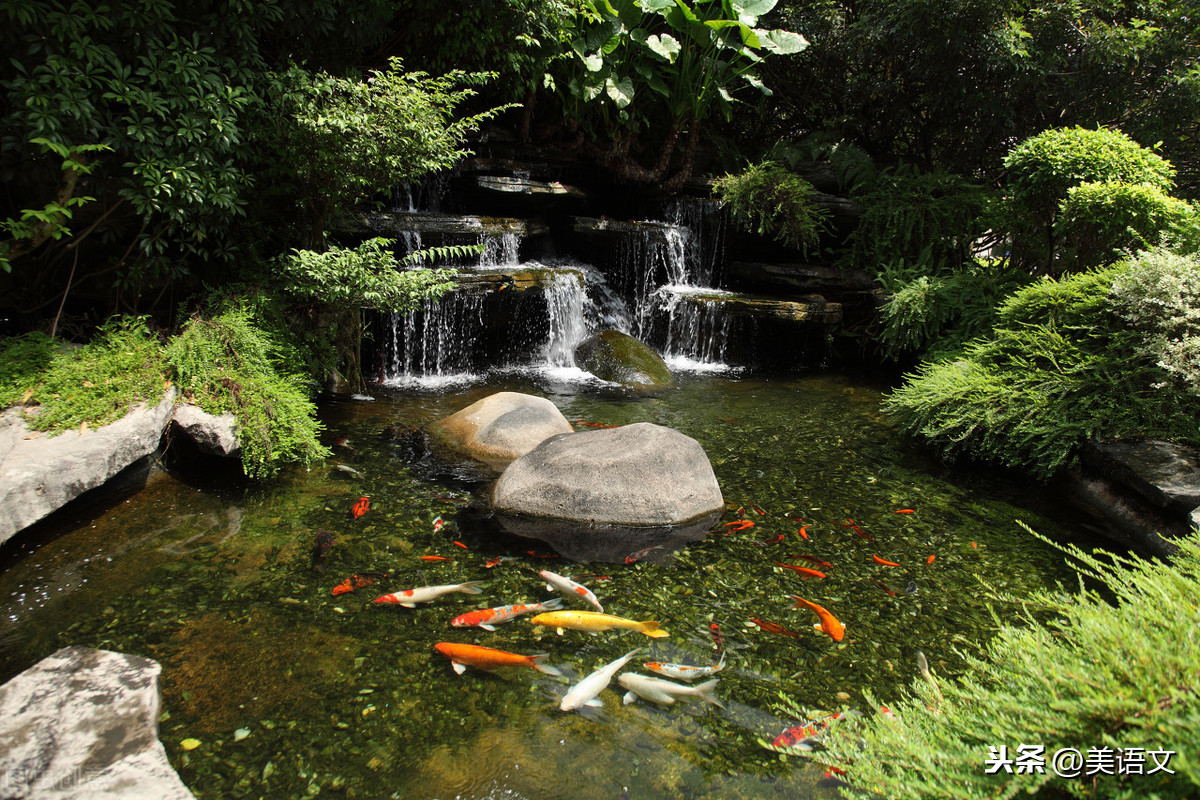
(536, 554)
(359, 580)
(497, 560)
(852, 525)
(904, 511)
(656, 690)
(684, 671)
(885, 588)
(424, 594)
(884, 561)
(361, 507)
(805, 571)
(348, 469)
(486, 658)
(438, 522)
(434, 558)
(812, 560)
(569, 587)
(460, 544)
(829, 623)
(641, 554)
(718, 639)
(776, 540)
(804, 532)
(342, 441)
(587, 424)
(584, 693)
(593, 622)
(802, 737)
(321, 547)
(489, 618)
(761, 513)
(738, 525)
(930, 559)
(773, 627)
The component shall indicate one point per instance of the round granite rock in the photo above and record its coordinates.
(618, 358)
(641, 474)
(500, 427)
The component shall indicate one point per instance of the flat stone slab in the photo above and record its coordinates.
(640, 474)
(1165, 474)
(811, 308)
(83, 723)
(42, 474)
(393, 223)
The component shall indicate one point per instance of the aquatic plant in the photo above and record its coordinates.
(1108, 670)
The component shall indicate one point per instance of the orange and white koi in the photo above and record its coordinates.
(684, 671)
(486, 658)
(884, 561)
(438, 522)
(829, 623)
(570, 588)
(489, 618)
(593, 622)
(424, 594)
(802, 737)
(497, 560)
(359, 580)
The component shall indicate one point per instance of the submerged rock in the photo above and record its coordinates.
(619, 358)
(634, 475)
(212, 435)
(500, 427)
(84, 723)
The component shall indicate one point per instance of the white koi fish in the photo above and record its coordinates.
(584, 693)
(489, 618)
(424, 594)
(569, 587)
(664, 692)
(684, 671)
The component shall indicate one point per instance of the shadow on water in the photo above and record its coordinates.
(292, 691)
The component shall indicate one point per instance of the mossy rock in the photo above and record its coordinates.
(616, 357)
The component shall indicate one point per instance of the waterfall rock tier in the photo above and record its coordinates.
(811, 308)
(500, 428)
(396, 224)
(800, 279)
(634, 475)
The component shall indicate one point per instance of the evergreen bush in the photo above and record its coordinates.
(770, 200)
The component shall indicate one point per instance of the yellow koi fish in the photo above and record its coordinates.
(594, 621)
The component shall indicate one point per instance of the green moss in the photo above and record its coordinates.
(620, 358)
(94, 384)
(1112, 666)
(227, 364)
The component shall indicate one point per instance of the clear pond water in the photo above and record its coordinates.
(292, 692)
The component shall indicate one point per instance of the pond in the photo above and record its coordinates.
(292, 692)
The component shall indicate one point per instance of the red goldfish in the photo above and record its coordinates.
(852, 525)
(738, 525)
(829, 623)
(930, 559)
(804, 531)
(434, 558)
(772, 627)
(904, 511)
(884, 561)
(361, 507)
(805, 571)
(487, 658)
(359, 580)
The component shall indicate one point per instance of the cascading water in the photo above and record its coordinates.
(433, 346)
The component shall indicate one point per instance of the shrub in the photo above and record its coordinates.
(1059, 367)
(226, 364)
(1099, 223)
(1111, 666)
(768, 199)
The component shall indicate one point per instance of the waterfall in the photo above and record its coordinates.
(434, 345)
(566, 307)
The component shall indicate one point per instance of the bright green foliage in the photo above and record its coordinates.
(1113, 665)
(1099, 223)
(770, 200)
(1044, 168)
(97, 383)
(342, 141)
(227, 364)
(367, 275)
(1059, 367)
(1159, 295)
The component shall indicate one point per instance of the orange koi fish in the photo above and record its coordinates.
(776, 540)
(805, 571)
(460, 544)
(359, 580)
(486, 658)
(361, 507)
(761, 513)
(489, 618)
(497, 560)
(772, 627)
(829, 623)
(434, 558)
(684, 671)
(812, 560)
(801, 737)
(904, 511)
(930, 559)
(885, 588)
(804, 532)
(884, 561)
(738, 525)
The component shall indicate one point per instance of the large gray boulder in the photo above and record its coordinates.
(641, 474)
(212, 434)
(83, 723)
(41, 474)
(500, 428)
(619, 358)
